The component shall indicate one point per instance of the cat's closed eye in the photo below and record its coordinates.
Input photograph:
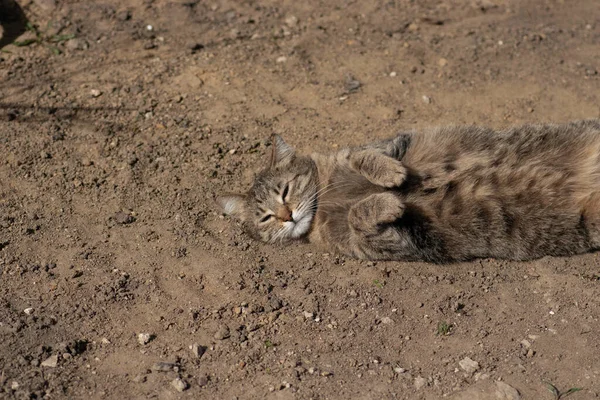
(265, 218)
(285, 192)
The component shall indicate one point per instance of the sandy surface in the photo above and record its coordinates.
(123, 120)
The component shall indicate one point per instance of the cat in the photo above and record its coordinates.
(439, 195)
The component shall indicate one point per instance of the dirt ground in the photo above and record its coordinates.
(121, 120)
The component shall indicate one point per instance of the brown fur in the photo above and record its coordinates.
(458, 193)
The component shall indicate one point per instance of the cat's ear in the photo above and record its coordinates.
(233, 204)
(282, 152)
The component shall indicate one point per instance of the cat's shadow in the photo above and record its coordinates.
(12, 20)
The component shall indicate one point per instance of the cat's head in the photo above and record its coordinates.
(283, 199)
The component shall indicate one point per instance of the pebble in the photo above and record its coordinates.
(14, 385)
(291, 21)
(203, 380)
(506, 392)
(386, 320)
(76, 44)
(140, 378)
(468, 365)
(28, 310)
(399, 370)
(393, 74)
(420, 382)
(179, 384)
(50, 362)
(281, 59)
(308, 315)
(442, 62)
(123, 219)
(197, 350)
(426, 99)
(223, 333)
(162, 366)
(144, 338)
(95, 93)
(351, 85)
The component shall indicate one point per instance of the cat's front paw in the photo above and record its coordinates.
(391, 174)
(369, 214)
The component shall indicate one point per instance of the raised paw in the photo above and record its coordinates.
(370, 213)
(391, 173)
(378, 168)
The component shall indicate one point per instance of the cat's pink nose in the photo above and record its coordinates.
(284, 214)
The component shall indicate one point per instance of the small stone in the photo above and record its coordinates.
(413, 27)
(351, 84)
(291, 21)
(179, 384)
(506, 392)
(274, 304)
(526, 343)
(393, 74)
(123, 218)
(399, 370)
(530, 353)
(281, 59)
(28, 310)
(203, 380)
(144, 338)
(442, 62)
(163, 366)
(386, 320)
(426, 99)
(468, 365)
(420, 382)
(195, 46)
(50, 362)
(530, 109)
(76, 44)
(95, 93)
(14, 385)
(104, 341)
(197, 350)
(140, 378)
(124, 15)
(222, 333)
(308, 315)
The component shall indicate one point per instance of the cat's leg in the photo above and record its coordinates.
(591, 216)
(377, 167)
(367, 216)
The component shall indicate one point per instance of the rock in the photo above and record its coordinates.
(426, 99)
(47, 5)
(506, 392)
(144, 338)
(468, 365)
(163, 366)
(123, 218)
(291, 21)
(140, 378)
(28, 310)
(399, 370)
(195, 46)
(14, 385)
(420, 382)
(487, 390)
(203, 380)
(124, 15)
(281, 59)
(442, 62)
(351, 85)
(308, 315)
(95, 93)
(197, 350)
(179, 384)
(76, 44)
(386, 320)
(274, 304)
(50, 362)
(223, 333)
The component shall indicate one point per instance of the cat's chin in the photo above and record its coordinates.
(301, 227)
